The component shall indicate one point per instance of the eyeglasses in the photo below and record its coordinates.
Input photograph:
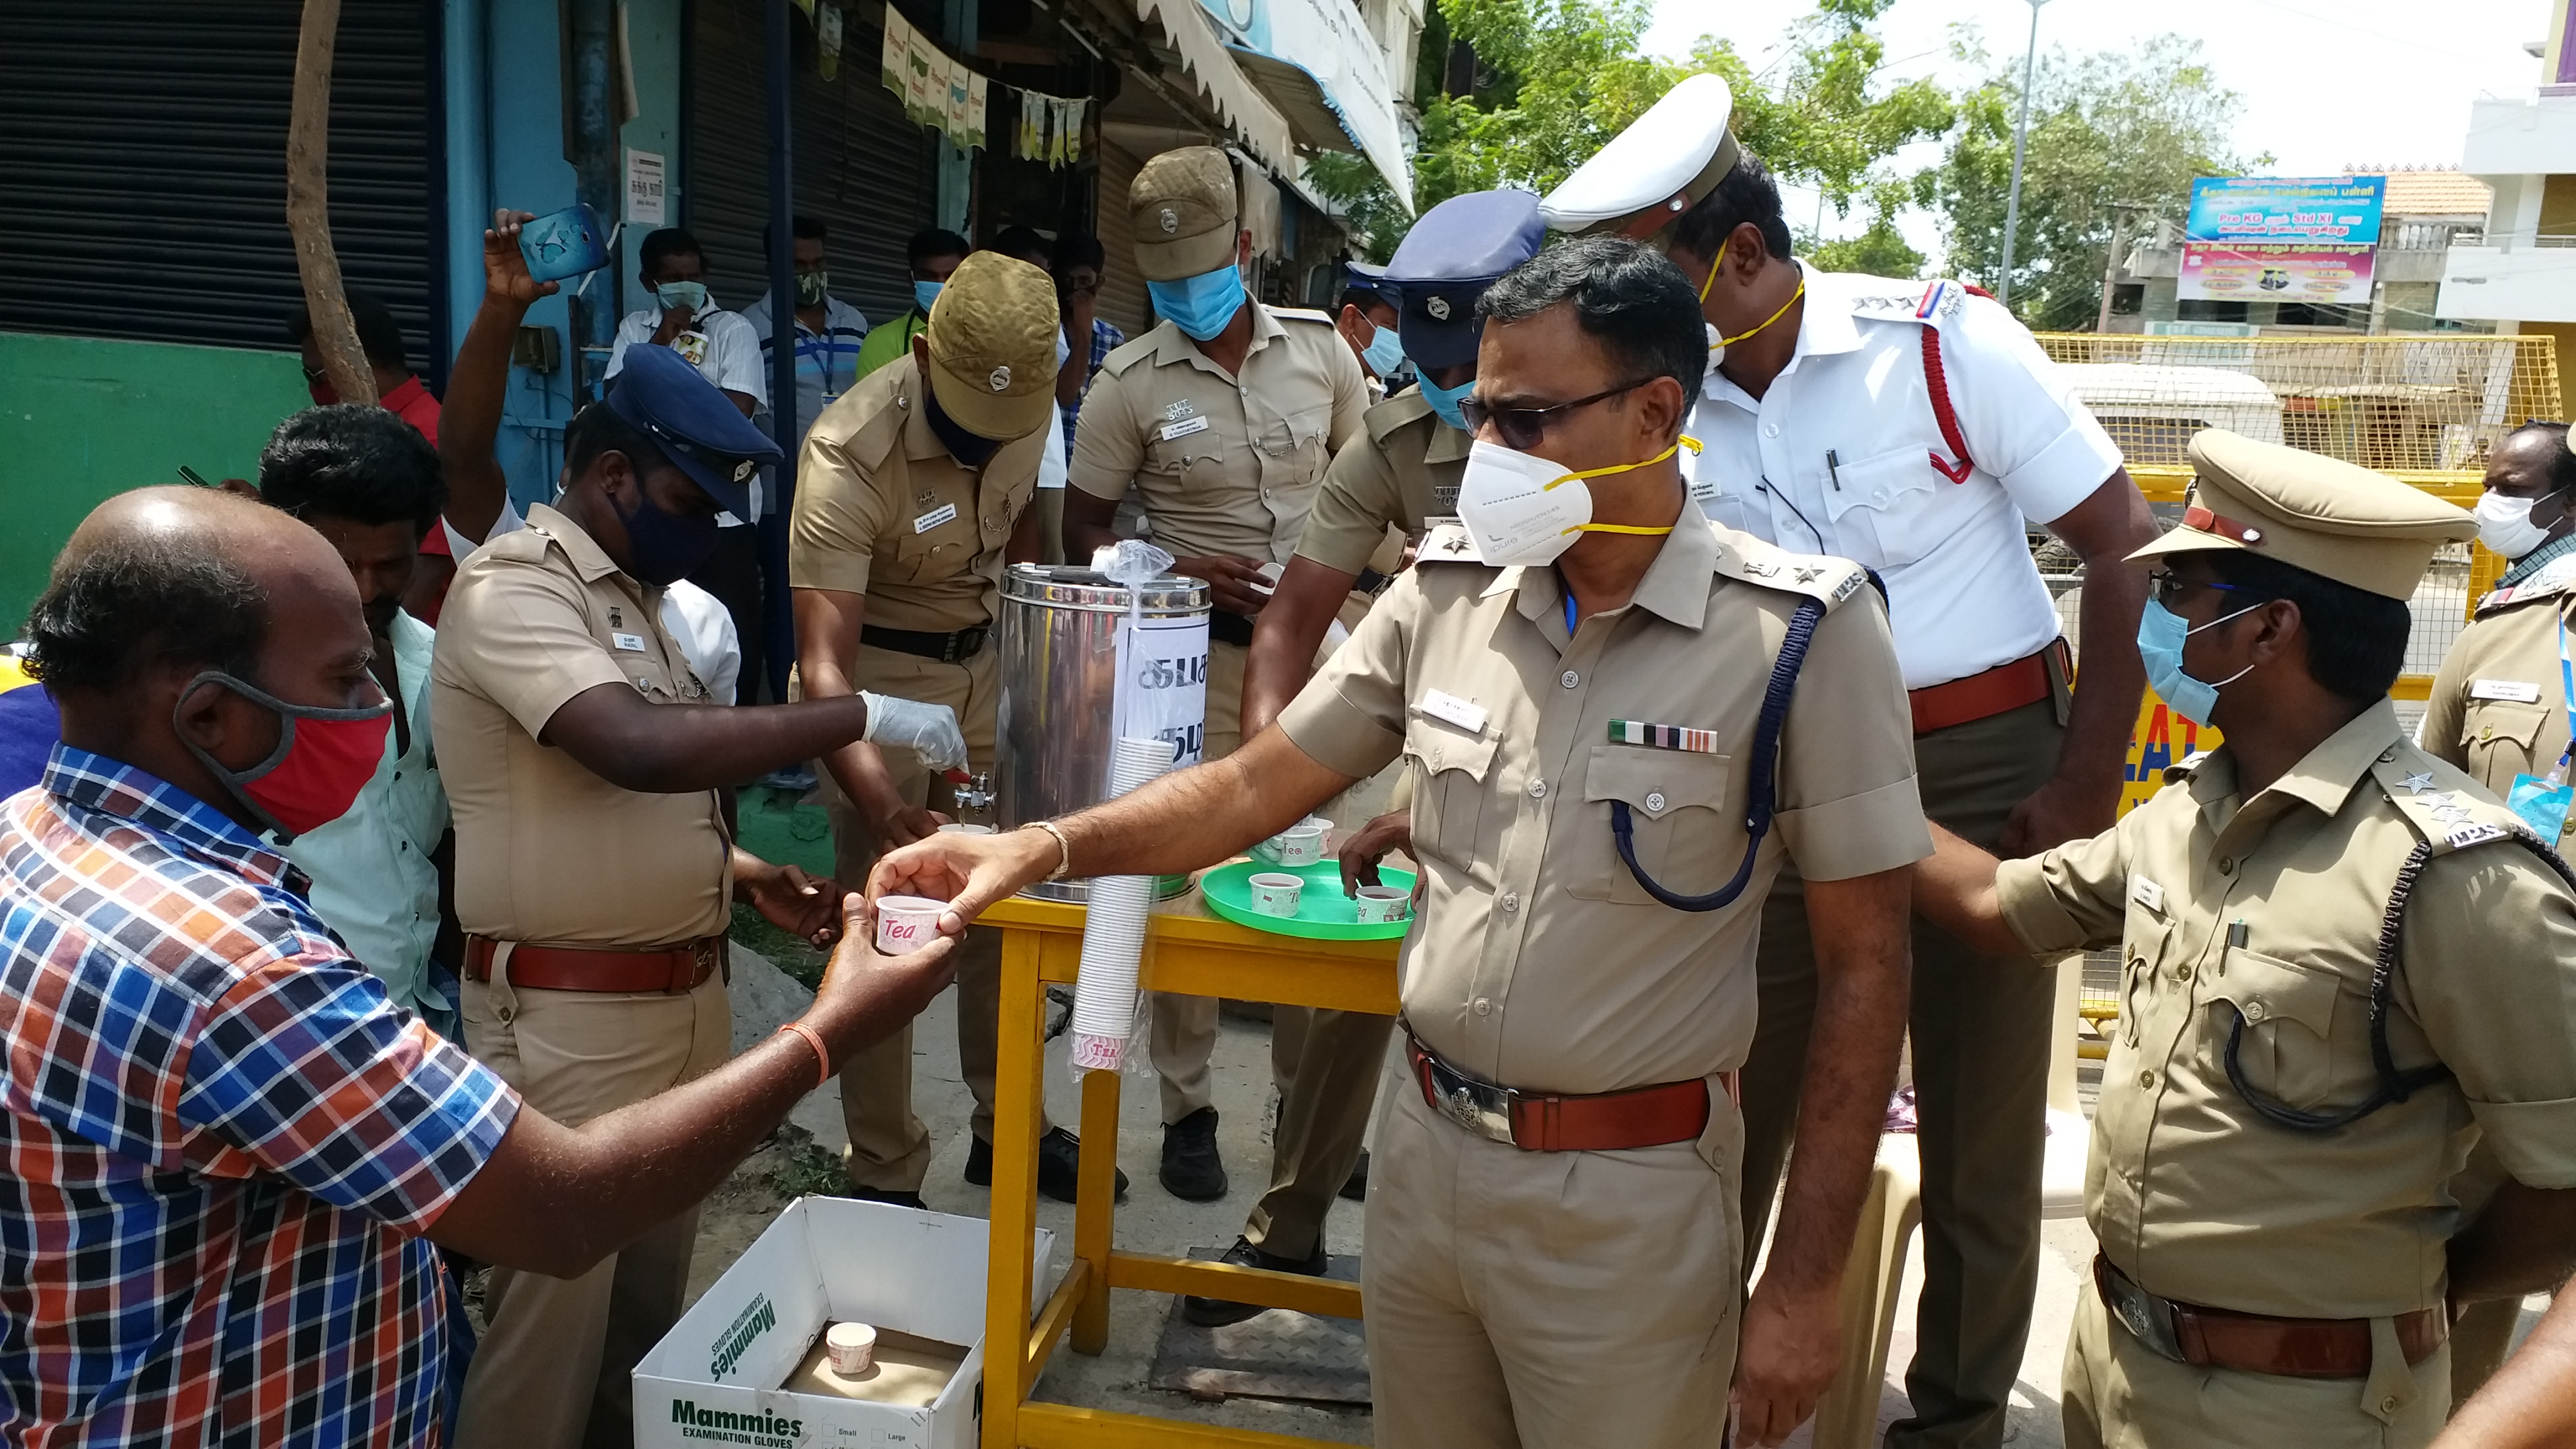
(1523, 427)
(315, 376)
(2170, 587)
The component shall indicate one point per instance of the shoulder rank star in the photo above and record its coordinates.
(1810, 575)
(2418, 782)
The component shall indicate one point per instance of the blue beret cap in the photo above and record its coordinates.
(704, 434)
(1455, 251)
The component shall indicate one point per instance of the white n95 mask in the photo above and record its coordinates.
(1520, 508)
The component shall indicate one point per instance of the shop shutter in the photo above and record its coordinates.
(1122, 289)
(143, 168)
(862, 169)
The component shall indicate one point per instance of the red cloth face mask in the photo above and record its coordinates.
(324, 757)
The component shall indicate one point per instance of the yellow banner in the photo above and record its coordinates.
(2162, 739)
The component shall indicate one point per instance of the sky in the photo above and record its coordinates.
(2327, 84)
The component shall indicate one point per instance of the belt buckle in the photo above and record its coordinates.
(702, 957)
(2146, 1318)
(1479, 1107)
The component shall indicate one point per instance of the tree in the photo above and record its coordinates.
(2106, 128)
(1556, 79)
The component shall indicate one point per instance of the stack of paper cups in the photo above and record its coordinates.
(1113, 938)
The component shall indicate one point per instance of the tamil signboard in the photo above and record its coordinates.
(2281, 239)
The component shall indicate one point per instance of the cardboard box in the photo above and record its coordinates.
(714, 1378)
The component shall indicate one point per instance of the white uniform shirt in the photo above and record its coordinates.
(1963, 594)
(730, 358)
(695, 619)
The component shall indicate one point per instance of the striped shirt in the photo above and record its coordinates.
(223, 1140)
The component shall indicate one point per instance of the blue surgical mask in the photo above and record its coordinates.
(688, 296)
(1200, 305)
(1384, 353)
(1444, 400)
(663, 547)
(925, 293)
(2161, 633)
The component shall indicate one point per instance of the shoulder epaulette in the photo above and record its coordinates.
(2442, 803)
(2555, 577)
(1383, 418)
(1447, 543)
(1301, 314)
(1128, 353)
(2181, 770)
(1822, 577)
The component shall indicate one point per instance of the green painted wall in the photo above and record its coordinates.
(82, 418)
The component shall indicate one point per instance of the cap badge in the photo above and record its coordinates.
(743, 470)
(1438, 307)
(1000, 379)
(1171, 221)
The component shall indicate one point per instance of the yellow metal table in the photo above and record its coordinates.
(1193, 952)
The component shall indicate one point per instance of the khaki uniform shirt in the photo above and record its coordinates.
(546, 851)
(2499, 707)
(1539, 963)
(1402, 469)
(2189, 1191)
(1225, 465)
(883, 509)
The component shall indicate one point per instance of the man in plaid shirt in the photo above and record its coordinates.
(229, 1151)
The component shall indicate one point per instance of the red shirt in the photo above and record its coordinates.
(416, 407)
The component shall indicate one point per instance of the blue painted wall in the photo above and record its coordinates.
(505, 148)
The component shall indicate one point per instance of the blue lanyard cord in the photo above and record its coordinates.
(2567, 695)
(1569, 621)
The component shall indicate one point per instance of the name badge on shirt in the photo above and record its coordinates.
(2147, 893)
(2507, 689)
(632, 643)
(934, 518)
(1441, 705)
(1182, 429)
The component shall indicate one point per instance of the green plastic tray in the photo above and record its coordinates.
(1323, 912)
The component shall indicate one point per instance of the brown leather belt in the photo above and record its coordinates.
(2255, 1343)
(1983, 696)
(671, 969)
(1608, 1122)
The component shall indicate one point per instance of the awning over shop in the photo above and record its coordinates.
(1327, 74)
(1192, 35)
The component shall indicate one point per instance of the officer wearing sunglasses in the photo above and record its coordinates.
(1916, 430)
(1553, 1256)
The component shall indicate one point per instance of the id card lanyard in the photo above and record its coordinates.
(2543, 802)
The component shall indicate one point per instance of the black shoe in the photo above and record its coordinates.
(1192, 1171)
(891, 1197)
(1355, 1186)
(1218, 1312)
(1059, 1165)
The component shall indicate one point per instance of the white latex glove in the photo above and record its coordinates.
(928, 730)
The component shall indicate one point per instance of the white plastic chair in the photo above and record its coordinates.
(1873, 1279)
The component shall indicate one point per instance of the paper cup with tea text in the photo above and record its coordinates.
(1276, 894)
(1377, 905)
(907, 923)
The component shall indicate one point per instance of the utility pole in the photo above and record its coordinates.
(2111, 264)
(2021, 141)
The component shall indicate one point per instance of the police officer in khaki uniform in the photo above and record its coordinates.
(1403, 468)
(1223, 417)
(1917, 430)
(595, 867)
(2344, 963)
(913, 492)
(1552, 1240)
(2499, 710)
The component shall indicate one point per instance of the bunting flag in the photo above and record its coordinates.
(827, 41)
(925, 77)
(1073, 113)
(891, 59)
(953, 116)
(975, 96)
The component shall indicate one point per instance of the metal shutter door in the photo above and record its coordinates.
(143, 168)
(862, 169)
(1122, 288)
